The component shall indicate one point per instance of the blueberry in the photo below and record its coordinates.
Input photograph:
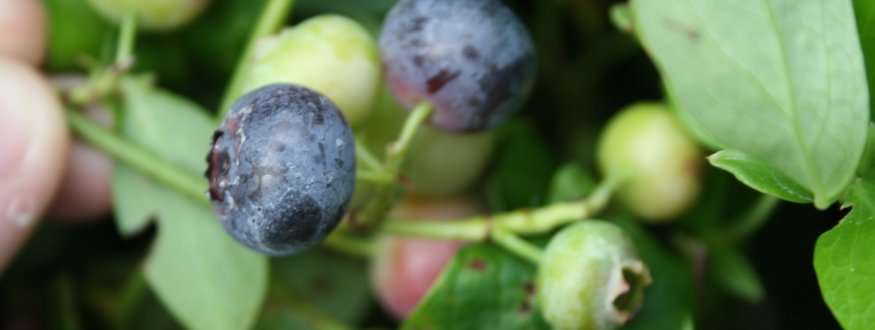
(281, 169)
(474, 60)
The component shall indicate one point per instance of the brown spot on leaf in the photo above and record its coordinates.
(526, 305)
(477, 265)
(690, 32)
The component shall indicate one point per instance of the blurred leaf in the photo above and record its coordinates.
(524, 166)
(668, 302)
(75, 30)
(205, 278)
(483, 287)
(865, 13)
(781, 80)
(571, 181)
(337, 285)
(368, 13)
(760, 176)
(621, 17)
(285, 313)
(731, 269)
(844, 258)
(216, 40)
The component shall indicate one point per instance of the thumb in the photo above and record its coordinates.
(33, 149)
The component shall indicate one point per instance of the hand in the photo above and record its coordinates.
(38, 163)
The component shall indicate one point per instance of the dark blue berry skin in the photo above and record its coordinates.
(473, 59)
(282, 169)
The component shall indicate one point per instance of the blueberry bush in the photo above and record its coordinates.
(456, 164)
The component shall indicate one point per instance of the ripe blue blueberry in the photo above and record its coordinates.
(282, 169)
(473, 60)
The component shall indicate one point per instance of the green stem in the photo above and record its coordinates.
(366, 157)
(517, 245)
(372, 176)
(348, 244)
(272, 17)
(137, 157)
(104, 80)
(377, 207)
(125, 48)
(525, 221)
(472, 229)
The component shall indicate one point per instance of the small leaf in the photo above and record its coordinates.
(204, 278)
(760, 176)
(571, 181)
(483, 287)
(780, 80)
(733, 271)
(844, 258)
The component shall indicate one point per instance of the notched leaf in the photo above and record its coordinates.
(204, 278)
(844, 258)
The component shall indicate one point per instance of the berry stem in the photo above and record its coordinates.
(522, 222)
(373, 177)
(138, 158)
(349, 244)
(273, 16)
(104, 80)
(377, 207)
(517, 245)
(366, 157)
(124, 52)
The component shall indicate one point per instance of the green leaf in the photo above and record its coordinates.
(780, 80)
(865, 13)
(335, 284)
(524, 164)
(844, 258)
(483, 287)
(316, 289)
(204, 278)
(760, 175)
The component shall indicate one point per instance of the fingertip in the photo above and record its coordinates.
(84, 193)
(33, 151)
(23, 27)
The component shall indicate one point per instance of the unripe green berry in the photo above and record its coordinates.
(590, 277)
(155, 15)
(430, 169)
(662, 162)
(330, 54)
